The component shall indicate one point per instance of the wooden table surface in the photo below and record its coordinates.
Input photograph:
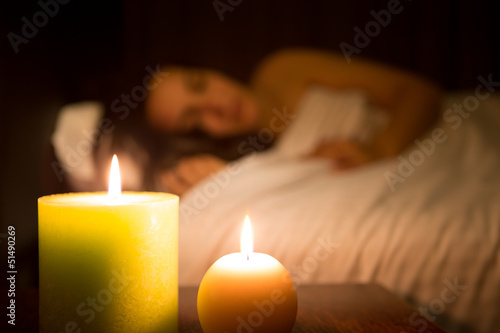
(322, 308)
(333, 308)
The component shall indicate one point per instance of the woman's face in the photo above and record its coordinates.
(188, 99)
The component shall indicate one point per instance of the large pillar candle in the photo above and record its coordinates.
(108, 263)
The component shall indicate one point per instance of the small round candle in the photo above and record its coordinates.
(247, 292)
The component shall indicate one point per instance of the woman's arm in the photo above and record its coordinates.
(190, 171)
(411, 101)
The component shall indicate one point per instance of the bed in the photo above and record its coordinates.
(425, 225)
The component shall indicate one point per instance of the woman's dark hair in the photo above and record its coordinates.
(154, 151)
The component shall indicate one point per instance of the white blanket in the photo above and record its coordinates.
(431, 235)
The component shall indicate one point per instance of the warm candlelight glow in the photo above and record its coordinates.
(246, 238)
(114, 185)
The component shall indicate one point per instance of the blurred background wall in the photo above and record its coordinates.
(89, 49)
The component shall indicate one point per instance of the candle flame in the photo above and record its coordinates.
(114, 185)
(247, 238)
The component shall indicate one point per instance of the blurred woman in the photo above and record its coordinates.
(202, 99)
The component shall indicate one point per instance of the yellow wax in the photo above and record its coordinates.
(108, 265)
(247, 294)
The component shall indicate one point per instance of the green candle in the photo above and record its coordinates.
(108, 263)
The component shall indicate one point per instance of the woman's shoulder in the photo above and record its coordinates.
(281, 72)
(286, 62)
(284, 74)
(293, 66)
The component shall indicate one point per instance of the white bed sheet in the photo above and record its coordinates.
(440, 226)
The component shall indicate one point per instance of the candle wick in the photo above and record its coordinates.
(248, 256)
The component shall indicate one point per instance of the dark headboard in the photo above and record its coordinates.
(93, 48)
(449, 41)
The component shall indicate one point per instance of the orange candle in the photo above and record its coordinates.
(247, 292)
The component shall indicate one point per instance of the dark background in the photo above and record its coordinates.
(99, 49)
